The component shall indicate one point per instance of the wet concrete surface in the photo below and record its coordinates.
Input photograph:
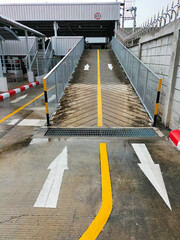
(120, 104)
(25, 154)
(9, 134)
(138, 210)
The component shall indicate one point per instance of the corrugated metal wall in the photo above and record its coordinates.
(51, 12)
(17, 48)
(61, 45)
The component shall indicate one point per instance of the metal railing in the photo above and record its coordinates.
(57, 79)
(49, 50)
(143, 80)
(44, 65)
(32, 53)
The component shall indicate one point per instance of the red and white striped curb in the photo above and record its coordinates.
(174, 136)
(17, 90)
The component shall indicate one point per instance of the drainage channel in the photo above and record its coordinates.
(102, 132)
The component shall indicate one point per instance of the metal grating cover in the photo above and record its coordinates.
(102, 132)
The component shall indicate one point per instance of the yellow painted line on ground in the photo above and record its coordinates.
(99, 92)
(19, 109)
(107, 202)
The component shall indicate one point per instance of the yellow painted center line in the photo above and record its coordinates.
(19, 109)
(107, 202)
(99, 92)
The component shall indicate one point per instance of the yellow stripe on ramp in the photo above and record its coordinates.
(99, 92)
(107, 202)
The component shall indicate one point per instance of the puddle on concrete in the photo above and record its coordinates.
(39, 141)
(16, 146)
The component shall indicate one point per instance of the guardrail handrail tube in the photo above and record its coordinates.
(57, 79)
(48, 49)
(144, 80)
(63, 59)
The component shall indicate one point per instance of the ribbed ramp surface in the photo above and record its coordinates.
(121, 106)
(103, 132)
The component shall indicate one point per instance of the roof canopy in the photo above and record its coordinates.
(8, 22)
(7, 34)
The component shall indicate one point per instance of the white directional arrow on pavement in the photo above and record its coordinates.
(18, 99)
(152, 171)
(49, 194)
(110, 66)
(86, 67)
(53, 97)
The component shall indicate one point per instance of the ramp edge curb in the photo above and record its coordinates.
(17, 90)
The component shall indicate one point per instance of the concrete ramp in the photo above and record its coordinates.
(109, 90)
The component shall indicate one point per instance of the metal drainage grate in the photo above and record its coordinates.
(102, 132)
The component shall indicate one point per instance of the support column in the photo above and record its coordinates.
(172, 76)
(4, 64)
(43, 46)
(3, 80)
(139, 50)
(134, 24)
(1, 70)
(116, 24)
(29, 72)
(55, 25)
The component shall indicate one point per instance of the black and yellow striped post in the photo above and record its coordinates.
(46, 101)
(157, 102)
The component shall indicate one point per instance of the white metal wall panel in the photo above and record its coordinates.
(68, 12)
(17, 48)
(61, 45)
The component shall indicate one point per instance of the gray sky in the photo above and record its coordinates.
(145, 8)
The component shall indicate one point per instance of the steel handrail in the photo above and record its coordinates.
(62, 60)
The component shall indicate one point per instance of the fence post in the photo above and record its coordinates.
(145, 86)
(46, 101)
(56, 87)
(139, 65)
(132, 65)
(157, 102)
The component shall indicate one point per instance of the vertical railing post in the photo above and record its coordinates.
(145, 85)
(46, 101)
(132, 65)
(157, 102)
(56, 87)
(138, 73)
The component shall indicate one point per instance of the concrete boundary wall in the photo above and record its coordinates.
(160, 51)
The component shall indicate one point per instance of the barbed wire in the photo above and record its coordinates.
(156, 22)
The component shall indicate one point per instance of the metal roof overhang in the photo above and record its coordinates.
(74, 28)
(8, 22)
(7, 34)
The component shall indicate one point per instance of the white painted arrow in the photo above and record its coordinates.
(110, 66)
(18, 99)
(53, 97)
(152, 171)
(86, 67)
(49, 194)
